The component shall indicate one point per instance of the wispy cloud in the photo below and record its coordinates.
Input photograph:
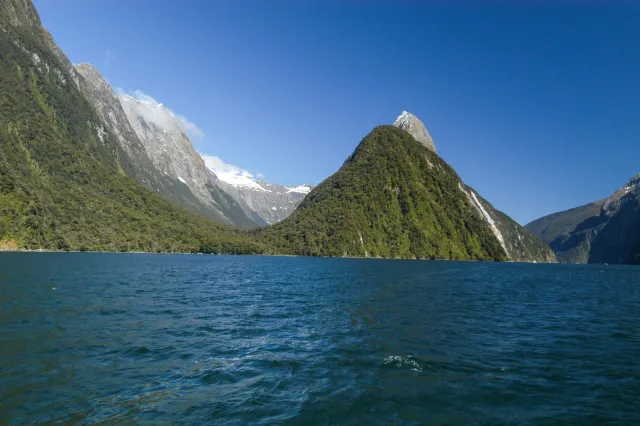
(139, 103)
(260, 175)
(222, 169)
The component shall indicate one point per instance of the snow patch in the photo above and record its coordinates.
(404, 119)
(233, 175)
(182, 180)
(301, 189)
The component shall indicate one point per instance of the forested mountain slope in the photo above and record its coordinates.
(393, 197)
(63, 177)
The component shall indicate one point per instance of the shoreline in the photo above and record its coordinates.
(19, 250)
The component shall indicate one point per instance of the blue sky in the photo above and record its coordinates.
(536, 106)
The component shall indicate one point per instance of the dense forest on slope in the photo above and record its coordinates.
(392, 198)
(63, 177)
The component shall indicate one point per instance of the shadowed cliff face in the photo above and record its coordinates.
(607, 231)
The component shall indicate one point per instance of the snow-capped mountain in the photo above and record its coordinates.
(272, 202)
(159, 153)
(157, 141)
(164, 135)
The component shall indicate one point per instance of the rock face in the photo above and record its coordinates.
(168, 146)
(22, 13)
(272, 202)
(107, 105)
(394, 197)
(172, 153)
(160, 161)
(166, 161)
(410, 123)
(607, 231)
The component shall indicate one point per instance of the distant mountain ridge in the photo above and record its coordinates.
(272, 202)
(607, 231)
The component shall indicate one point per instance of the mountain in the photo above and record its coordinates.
(64, 176)
(80, 170)
(395, 197)
(561, 224)
(108, 106)
(167, 162)
(607, 231)
(171, 152)
(272, 202)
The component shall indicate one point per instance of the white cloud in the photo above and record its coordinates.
(260, 175)
(139, 103)
(219, 167)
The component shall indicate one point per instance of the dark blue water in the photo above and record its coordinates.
(182, 339)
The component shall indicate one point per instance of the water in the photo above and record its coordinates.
(181, 339)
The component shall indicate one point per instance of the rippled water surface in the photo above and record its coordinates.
(183, 339)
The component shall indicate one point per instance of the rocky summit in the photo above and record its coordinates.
(412, 124)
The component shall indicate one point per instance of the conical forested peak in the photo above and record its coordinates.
(391, 198)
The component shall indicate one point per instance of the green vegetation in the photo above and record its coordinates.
(63, 180)
(391, 198)
(65, 183)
